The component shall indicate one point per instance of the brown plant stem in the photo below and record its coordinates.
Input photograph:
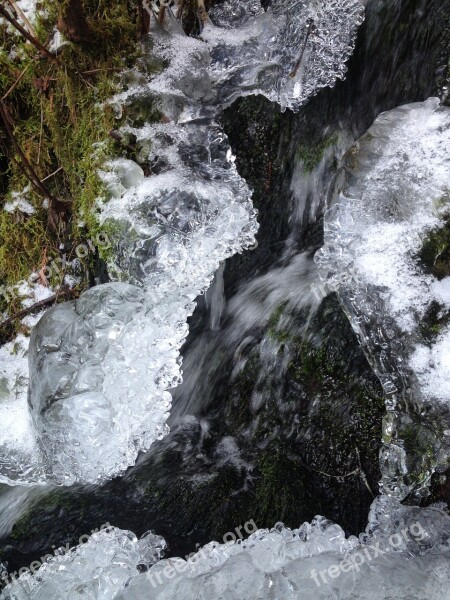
(26, 167)
(70, 293)
(27, 35)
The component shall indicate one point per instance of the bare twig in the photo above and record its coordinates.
(17, 81)
(36, 307)
(362, 474)
(40, 135)
(145, 16)
(26, 167)
(52, 174)
(26, 34)
(162, 14)
(311, 28)
(99, 70)
(23, 16)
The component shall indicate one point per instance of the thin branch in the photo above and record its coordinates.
(23, 16)
(311, 28)
(363, 475)
(26, 34)
(36, 307)
(99, 70)
(16, 83)
(27, 168)
(145, 16)
(40, 135)
(52, 174)
(162, 13)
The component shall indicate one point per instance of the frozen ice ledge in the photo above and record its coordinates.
(100, 367)
(404, 554)
(386, 253)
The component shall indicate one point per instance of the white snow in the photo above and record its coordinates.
(19, 202)
(28, 7)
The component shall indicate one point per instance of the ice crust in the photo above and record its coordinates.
(94, 570)
(287, 53)
(392, 190)
(100, 367)
(404, 554)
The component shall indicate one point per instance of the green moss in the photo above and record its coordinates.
(435, 252)
(27, 525)
(61, 121)
(312, 154)
(273, 329)
(54, 502)
(277, 489)
(435, 319)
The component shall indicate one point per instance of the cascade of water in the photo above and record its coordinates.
(100, 367)
(278, 563)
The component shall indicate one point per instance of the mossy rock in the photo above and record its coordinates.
(435, 252)
(436, 318)
(312, 153)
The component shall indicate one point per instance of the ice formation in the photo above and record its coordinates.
(392, 191)
(287, 53)
(94, 570)
(404, 554)
(100, 367)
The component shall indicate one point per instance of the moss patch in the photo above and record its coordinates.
(435, 319)
(312, 154)
(61, 122)
(435, 252)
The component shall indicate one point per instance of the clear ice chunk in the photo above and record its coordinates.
(404, 554)
(287, 53)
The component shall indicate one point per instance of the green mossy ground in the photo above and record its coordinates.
(61, 122)
(434, 259)
(433, 322)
